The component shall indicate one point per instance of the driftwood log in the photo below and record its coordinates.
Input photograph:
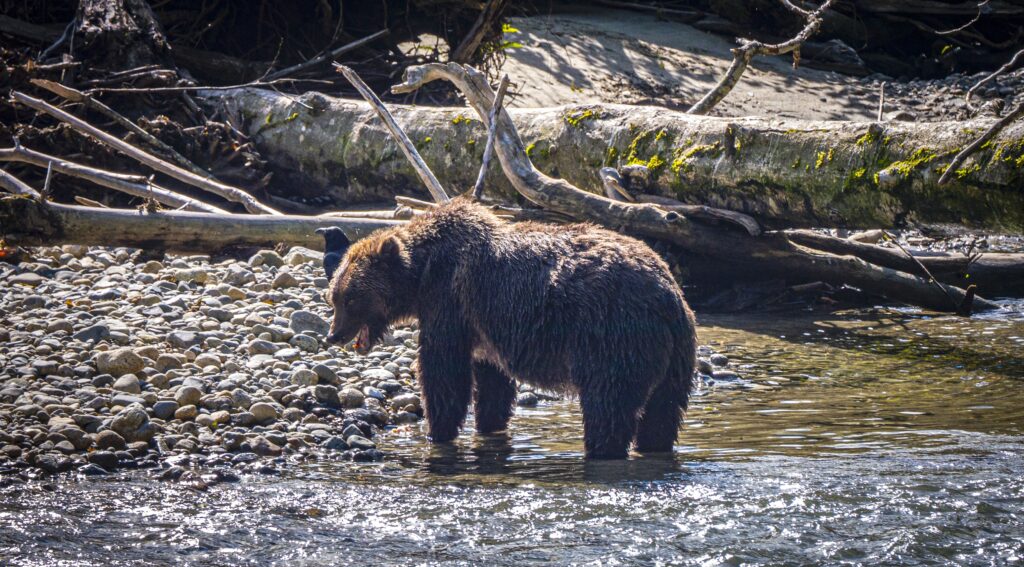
(769, 252)
(29, 222)
(784, 173)
(134, 185)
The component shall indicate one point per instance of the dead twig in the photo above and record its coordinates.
(959, 158)
(325, 56)
(742, 56)
(89, 202)
(957, 304)
(478, 189)
(68, 30)
(46, 182)
(1009, 65)
(414, 203)
(981, 6)
(881, 101)
(488, 17)
(408, 148)
(228, 192)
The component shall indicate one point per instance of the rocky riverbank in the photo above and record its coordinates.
(198, 369)
(109, 361)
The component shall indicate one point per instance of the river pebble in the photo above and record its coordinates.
(114, 363)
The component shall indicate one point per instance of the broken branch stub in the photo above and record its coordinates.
(958, 160)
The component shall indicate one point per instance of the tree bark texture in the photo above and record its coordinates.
(785, 173)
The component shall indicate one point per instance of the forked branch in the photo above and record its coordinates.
(742, 55)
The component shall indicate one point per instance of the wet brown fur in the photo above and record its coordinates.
(572, 307)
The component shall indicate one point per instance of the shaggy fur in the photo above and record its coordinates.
(570, 307)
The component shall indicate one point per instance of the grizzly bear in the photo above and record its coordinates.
(572, 308)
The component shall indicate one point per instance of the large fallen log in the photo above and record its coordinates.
(29, 222)
(768, 252)
(785, 173)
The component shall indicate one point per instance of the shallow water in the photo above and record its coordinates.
(870, 437)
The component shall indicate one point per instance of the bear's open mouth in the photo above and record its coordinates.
(362, 342)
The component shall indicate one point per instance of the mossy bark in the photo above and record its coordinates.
(786, 173)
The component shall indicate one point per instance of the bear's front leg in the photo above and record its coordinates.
(446, 382)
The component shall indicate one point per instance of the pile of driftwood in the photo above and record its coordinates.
(29, 219)
(189, 208)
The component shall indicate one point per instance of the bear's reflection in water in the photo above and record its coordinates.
(495, 456)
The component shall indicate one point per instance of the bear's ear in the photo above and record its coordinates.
(390, 246)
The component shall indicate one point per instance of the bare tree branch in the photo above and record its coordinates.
(12, 184)
(408, 148)
(492, 127)
(488, 18)
(74, 95)
(742, 55)
(135, 185)
(226, 191)
(1009, 65)
(325, 56)
(977, 17)
(959, 158)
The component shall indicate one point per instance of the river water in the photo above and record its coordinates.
(871, 437)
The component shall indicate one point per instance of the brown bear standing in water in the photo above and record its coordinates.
(572, 308)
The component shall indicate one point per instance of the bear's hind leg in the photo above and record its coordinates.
(659, 424)
(494, 396)
(611, 406)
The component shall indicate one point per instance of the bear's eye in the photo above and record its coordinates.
(350, 302)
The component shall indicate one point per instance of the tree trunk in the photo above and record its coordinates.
(785, 173)
(120, 34)
(27, 222)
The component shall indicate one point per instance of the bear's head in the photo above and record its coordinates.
(367, 292)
